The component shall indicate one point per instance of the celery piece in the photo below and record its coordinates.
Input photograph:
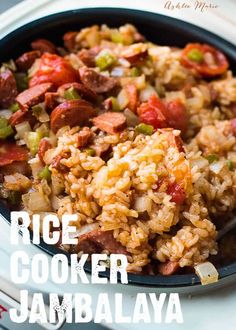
(230, 165)
(115, 104)
(104, 60)
(212, 158)
(195, 55)
(90, 151)
(33, 140)
(71, 94)
(14, 107)
(45, 173)
(6, 131)
(22, 81)
(144, 129)
(135, 72)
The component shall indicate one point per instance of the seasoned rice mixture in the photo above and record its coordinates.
(137, 139)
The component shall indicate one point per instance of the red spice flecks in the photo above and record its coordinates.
(177, 193)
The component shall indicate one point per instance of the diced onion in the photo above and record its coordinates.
(57, 185)
(123, 99)
(146, 93)
(36, 202)
(207, 273)
(5, 113)
(36, 166)
(22, 128)
(143, 204)
(131, 118)
(84, 230)
(216, 167)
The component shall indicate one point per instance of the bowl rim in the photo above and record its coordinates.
(172, 281)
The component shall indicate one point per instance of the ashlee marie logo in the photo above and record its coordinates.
(78, 307)
(200, 6)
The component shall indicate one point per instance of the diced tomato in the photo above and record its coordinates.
(132, 92)
(10, 152)
(200, 64)
(177, 115)
(153, 113)
(177, 193)
(160, 115)
(233, 126)
(54, 69)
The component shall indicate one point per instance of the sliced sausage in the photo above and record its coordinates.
(87, 56)
(72, 113)
(110, 122)
(44, 46)
(20, 116)
(69, 40)
(51, 100)
(26, 60)
(97, 241)
(168, 268)
(136, 53)
(84, 137)
(85, 92)
(101, 150)
(33, 95)
(10, 152)
(16, 167)
(56, 162)
(44, 145)
(8, 89)
(96, 81)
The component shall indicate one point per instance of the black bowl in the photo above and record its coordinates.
(157, 28)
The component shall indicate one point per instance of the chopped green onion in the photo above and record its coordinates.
(230, 165)
(14, 107)
(104, 60)
(71, 94)
(22, 81)
(33, 140)
(195, 55)
(116, 37)
(5, 129)
(135, 72)
(144, 129)
(90, 152)
(212, 158)
(45, 173)
(115, 104)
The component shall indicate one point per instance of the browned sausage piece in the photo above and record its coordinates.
(51, 100)
(69, 40)
(82, 90)
(16, 167)
(84, 137)
(136, 53)
(87, 56)
(97, 241)
(33, 95)
(20, 116)
(44, 145)
(44, 46)
(8, 89)
(96, 81)
(72, 113)
(26, 60)
(168, 268)
(110, 122)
